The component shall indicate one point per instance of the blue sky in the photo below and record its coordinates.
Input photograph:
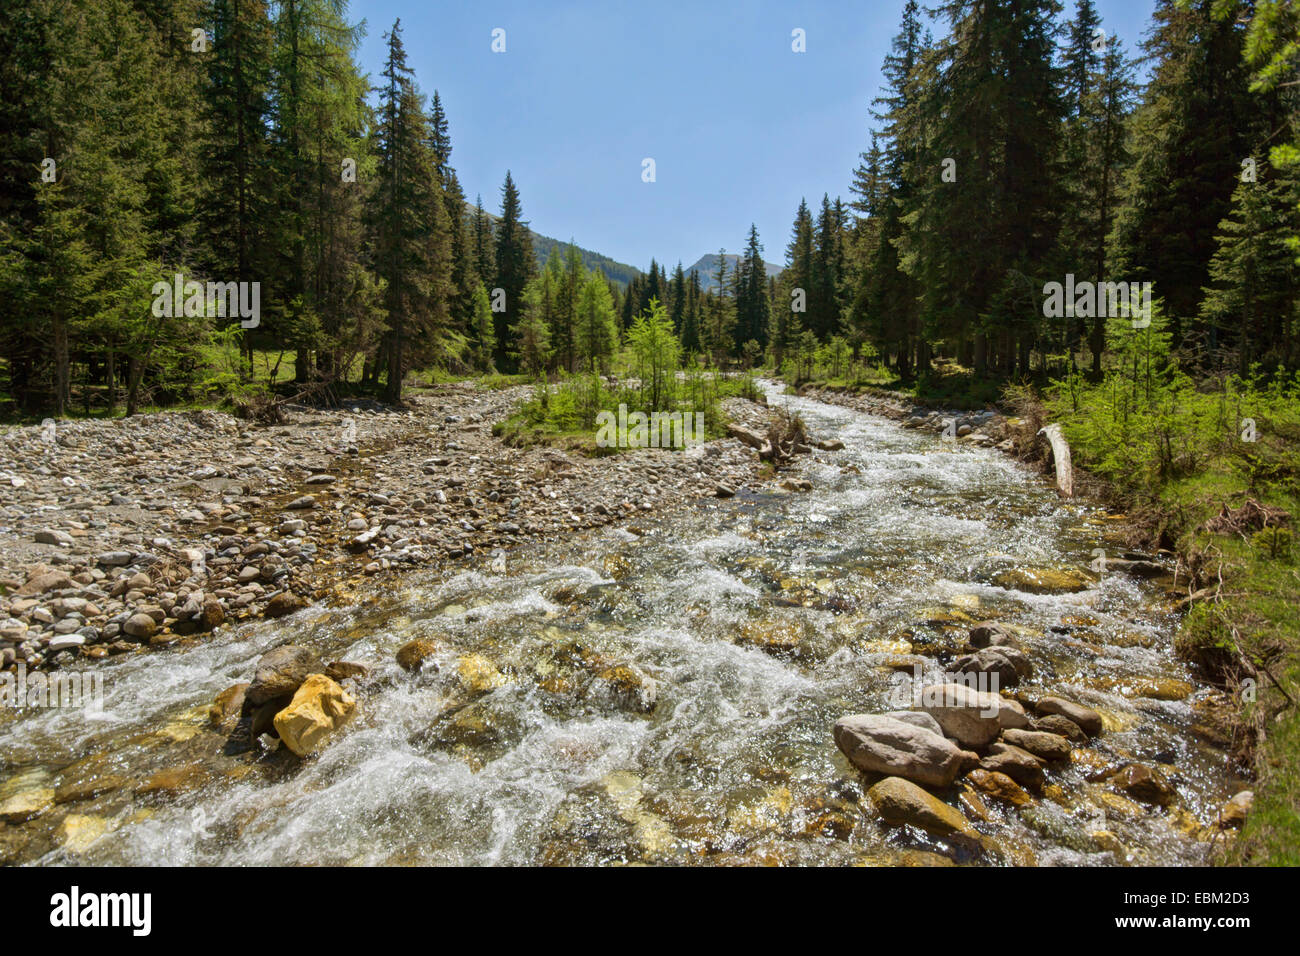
(740, 127)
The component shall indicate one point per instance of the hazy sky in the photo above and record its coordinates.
(739, 125)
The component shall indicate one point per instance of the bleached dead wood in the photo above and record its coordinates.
(1060, 455)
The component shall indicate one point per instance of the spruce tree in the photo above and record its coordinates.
(515, 265)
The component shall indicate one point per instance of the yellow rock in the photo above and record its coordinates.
(1159, 688)
(921, 858)
(1108, 841)
(973, 805)
(1079, 620)
(173, 781)
(26, 805)
(616, 566)
(1120, 804)
(1045, 580)
(179, 731)
(771, 635)
(967, 602)
(319, 707)
(1053, 792)
(764, 814)
(33, 778)
(887, 647)
(1182, 820)
(1089, 761)
(478, 675)
(77, 831)
(1114, 721)
(649, 830)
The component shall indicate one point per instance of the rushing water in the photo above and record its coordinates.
(754, 621)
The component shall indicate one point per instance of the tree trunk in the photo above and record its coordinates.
(110, 373)
(60, 366)
(134, 373)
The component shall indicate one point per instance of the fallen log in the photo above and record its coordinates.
(744, 435)
(1061, 456)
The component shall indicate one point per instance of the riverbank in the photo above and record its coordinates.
(116, 535)
(1231, 545)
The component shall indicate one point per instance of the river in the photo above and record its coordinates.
(731, 635)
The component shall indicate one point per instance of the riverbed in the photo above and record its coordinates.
(660, 692)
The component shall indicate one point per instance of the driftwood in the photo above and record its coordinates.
(753, 440)
(1061, 455)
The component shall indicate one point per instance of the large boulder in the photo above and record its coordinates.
(901, 802)
(879, 744)
(319, 707)
(916, 718)
(1087, 718)
(973, 718)
(279, 673)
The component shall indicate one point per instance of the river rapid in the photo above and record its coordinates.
(659, 693)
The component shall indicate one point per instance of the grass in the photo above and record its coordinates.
(1177, 456)
(564, 415)
(947, 385)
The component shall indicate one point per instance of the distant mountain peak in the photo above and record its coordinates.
(707, 267)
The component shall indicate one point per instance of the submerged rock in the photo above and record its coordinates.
(478, 675)
(346, 670)
(901, 802)
(413, 655)
(1144, 783)
(229, 704)
(1045, 580)
(26, 805)
(626, 688)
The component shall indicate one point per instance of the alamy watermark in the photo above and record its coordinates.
(214, 300)
(1099, 300)
(907, 694)
(65, 689)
